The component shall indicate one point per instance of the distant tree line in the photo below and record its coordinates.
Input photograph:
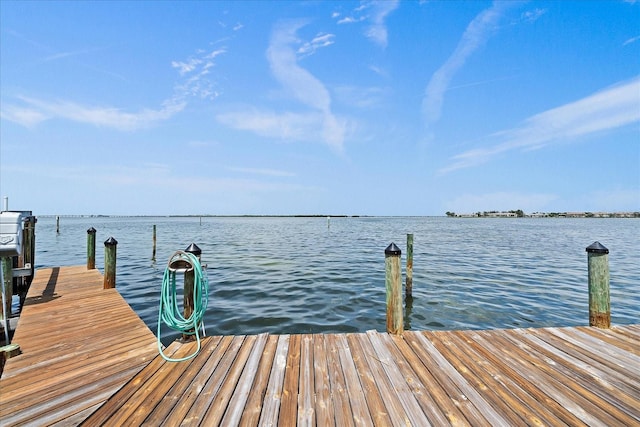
(520, 214)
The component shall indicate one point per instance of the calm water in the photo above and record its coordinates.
(299, 275)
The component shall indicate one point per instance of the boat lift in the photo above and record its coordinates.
(16, 257)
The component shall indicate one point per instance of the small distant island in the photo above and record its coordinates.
(518, 213)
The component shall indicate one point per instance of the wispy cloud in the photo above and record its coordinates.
(361, 97)
(302, 86)
(195, 71)
(377, 31)
(475, 35)
(38, 110)
(374, 13)
(287, 126)
(319, 41)
(605, 110)
(533, 15)
(193, 82)
(631, 40)
(265, 172)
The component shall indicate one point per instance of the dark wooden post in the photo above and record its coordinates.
(110, 246)
(153, 255)
(409, 270)
(7, 284)
(57, 224)
(91, 248)
(599, 300)
(189, 280)
(393, 282)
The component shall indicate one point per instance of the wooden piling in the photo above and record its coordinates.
(7, 284)
(189, 280)
(599, 299)
(153, 254)
(110, 246)
(57, 225)
(409, 268)
(30, 244)
(393, 282)
(91, 248)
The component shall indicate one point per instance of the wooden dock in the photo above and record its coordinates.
(548, 376)
(80, 343)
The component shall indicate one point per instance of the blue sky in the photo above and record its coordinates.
(356, 108)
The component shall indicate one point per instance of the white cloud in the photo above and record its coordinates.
(375, 14)
(319, 41)
(533, 15)
(38, 110)
(24, 116)
(195, 71)
(475, 35)
(287, 126)
(378, 30)
(195, 83)
(300, 83)
(631, 40)
(608, 109)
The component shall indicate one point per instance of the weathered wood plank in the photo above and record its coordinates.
(339, 398)
(616, 394)
(324, 404)
(253, 407)
(198, 382)
(272, 398)
(553, 388)
(216, 409)
(377, 409)
(289, 402)
(124, 395)
(504, 384)
(412, 411)
(207, 395)
(432, 398)
(241, 393)
(306, 394)
(361, 416)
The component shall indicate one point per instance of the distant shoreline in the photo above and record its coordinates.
(492, 214)
(521, 214)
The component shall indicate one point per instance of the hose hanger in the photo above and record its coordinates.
(180, 262)
(169, 311)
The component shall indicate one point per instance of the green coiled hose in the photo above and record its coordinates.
(171, 314)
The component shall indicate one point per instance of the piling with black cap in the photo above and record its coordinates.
(189, 280)
(110, 246)
(599, 299)
(91, 248)
(393, 282)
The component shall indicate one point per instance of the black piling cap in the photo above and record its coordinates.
(194, 249)
(392, 249)
(91, 231)
(597, 248)
(110, 242)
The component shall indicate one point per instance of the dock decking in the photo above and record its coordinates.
(547, 376)
(80, 343)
